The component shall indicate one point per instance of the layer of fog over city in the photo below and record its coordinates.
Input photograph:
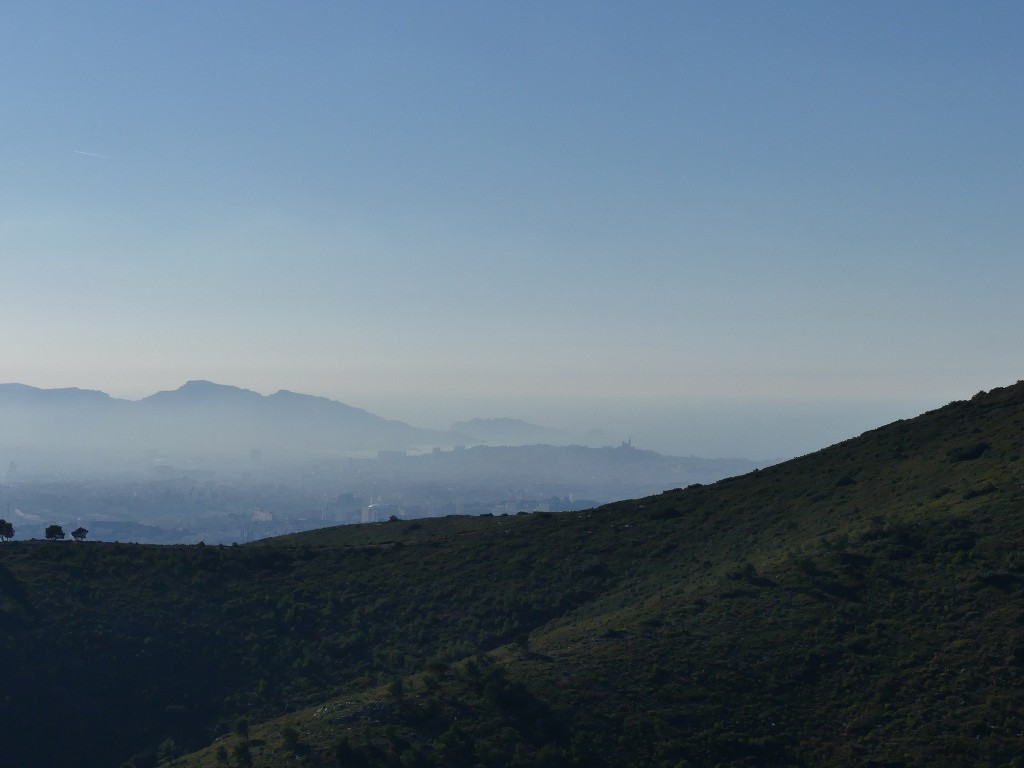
(217, 463)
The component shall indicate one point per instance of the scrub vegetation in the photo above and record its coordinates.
(857, 606)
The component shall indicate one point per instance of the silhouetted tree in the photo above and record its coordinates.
(79, 533)
(6, 530)
(54, 532)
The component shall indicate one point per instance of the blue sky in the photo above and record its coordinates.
(803, 219)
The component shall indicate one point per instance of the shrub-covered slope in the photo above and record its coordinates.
(860, 605)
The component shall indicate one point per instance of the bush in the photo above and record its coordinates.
(968, 452)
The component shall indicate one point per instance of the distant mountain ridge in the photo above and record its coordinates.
(200, 418)
(13, 393)
(205, 426)
(202, 391)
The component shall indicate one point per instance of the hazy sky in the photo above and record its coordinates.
(591, 213)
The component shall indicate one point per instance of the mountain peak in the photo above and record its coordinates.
(25, 393)
(200, 390)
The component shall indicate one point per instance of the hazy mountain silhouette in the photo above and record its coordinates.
(69, 396)
(204, 426)
(286, 421)
(200, 419)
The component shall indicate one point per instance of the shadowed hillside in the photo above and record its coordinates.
(857, 606)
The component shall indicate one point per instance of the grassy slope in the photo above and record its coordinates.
(858, 604)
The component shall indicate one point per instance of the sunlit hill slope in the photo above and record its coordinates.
(857, 606)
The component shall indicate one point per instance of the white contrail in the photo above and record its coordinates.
(91, 154)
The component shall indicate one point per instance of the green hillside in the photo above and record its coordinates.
(857, 606)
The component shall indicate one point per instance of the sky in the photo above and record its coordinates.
(729, 228)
